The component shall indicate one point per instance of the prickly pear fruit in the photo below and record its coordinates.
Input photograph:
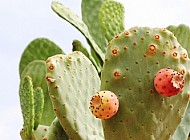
(104, 104)
(168, 82)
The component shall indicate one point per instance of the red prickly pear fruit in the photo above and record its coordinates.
(168, 82)
(104, 104)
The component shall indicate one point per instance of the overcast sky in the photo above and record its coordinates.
(24, 20)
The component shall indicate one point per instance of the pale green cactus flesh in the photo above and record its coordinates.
(131, 62)
(38, 49)
(72, 81)
(90, 10)
(27, 106)
(37, 71)
(77, 22)
(111, 17)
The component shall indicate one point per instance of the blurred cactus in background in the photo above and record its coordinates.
(109, 92)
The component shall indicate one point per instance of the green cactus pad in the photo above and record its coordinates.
(27, 106)
(182, 32)
(111, 17)
(72, 81)
(131, 62)
(38, 49)
(77, 22)
(38, 106)
(90, 10)
(56, 132)
(37, 71)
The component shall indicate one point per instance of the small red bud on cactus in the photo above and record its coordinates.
(168, 82)
(104, 104)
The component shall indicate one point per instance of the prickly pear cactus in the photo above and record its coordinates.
(131, 63)
(72, 80)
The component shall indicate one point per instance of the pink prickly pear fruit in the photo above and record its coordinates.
(104, 104)
(168, 82)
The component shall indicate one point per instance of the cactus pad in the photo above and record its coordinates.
(131, 63)
(38, 49)
(72, 81)
(27, 106)
(90, 11)
(111, 17)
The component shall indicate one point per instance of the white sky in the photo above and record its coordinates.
(24, 20)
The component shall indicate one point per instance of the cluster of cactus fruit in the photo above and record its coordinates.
(133, 84)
